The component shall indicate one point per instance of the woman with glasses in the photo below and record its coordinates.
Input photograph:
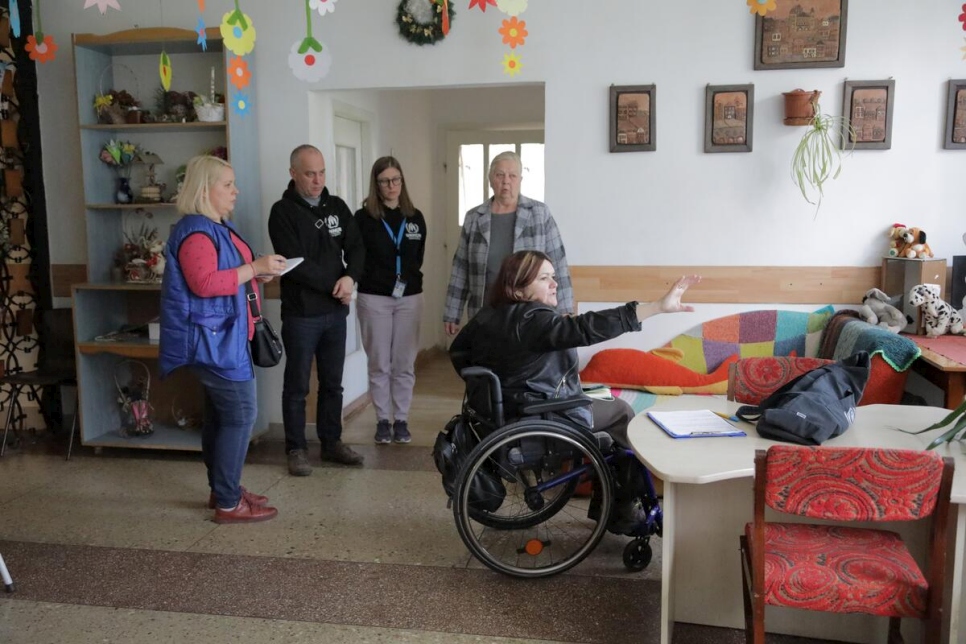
(390, 300)
(506, 223)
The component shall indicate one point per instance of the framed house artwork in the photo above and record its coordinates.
(955, 137)
(632, 118)
(802, 34)
(729, 118)
(868, 105)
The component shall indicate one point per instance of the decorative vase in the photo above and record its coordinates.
(124, 193)
(800, 106)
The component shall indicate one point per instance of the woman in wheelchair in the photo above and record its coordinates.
(531, 349)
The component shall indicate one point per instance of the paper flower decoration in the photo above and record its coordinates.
(202, 34)
(309, 60)
(102, 5)
(514, 32)
(511, 64)
(14, 18)
(164, 69)
(322, 6)
(761, 7)
(43, 51)
(238, 32)
(482, 4)
(962, 17)
(119, 155)
(241, 104)
(238, 72)
(201, 6)
(512, 7)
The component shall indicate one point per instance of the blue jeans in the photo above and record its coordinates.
(230, 410)
(323, 338)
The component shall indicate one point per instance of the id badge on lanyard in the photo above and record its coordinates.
(399, 288)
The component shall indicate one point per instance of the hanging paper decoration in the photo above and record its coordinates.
(514, 32)
(761, 7)
(241, 104)
(15, 18)
(322, 6)
(164, 68)
(308, 59)
(238, 72)
(482, 4)
(512, 7)
(202, 34)
(102, 5)
(962, 17)
(201, 6)
(424, 22)
(238, 32)
(511, 64)
(40, 47)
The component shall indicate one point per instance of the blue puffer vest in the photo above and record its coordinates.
(210, 332)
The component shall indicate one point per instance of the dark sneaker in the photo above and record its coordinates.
(383, 433)
(341, 453)
(400, 432)
(298, 463)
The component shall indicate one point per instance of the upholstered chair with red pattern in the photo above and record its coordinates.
(838, 568)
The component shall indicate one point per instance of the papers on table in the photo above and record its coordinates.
(701, 423)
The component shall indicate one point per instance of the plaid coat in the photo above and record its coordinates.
(535, 230)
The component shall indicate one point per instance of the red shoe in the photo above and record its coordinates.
(245, 513)
(254, 499)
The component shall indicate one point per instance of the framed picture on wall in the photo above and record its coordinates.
(802, 34)
(868, 105)
(955, 138)
(729, 118)
(632, 118)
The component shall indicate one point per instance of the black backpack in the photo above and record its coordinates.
(453, 446)
(814, 407)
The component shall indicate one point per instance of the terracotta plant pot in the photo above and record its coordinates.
(800, 106)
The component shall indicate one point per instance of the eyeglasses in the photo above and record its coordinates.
(385, 183)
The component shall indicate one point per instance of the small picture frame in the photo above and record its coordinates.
(802, 34)
(632, 118)
(955, 138)
(868, 105)
(729, 118)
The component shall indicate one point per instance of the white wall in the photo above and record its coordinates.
(675, 206)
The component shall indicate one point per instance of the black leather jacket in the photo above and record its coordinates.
(532, 348)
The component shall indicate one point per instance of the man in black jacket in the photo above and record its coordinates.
(309, 222)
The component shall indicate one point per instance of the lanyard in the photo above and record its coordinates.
(397, 239)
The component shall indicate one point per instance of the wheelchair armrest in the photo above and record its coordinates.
(557, 404)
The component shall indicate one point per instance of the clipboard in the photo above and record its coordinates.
(700, 423)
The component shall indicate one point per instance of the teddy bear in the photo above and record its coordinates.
(877, 310)
(898, 240)
(938, 316)
(917, 248)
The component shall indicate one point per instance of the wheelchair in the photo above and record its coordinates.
(533, 497)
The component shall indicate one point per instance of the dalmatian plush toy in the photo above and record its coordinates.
(938, 316)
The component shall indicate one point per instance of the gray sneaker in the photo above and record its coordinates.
(298, 463)
(341, 453)
(400, 430)
(383, 433)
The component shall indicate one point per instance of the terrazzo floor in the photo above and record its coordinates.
(119, 547)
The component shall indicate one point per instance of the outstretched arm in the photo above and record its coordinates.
(671, 302)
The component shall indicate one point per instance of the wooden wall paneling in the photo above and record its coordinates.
(19, 279)
(63, 276)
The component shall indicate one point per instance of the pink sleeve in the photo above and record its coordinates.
(199, 263)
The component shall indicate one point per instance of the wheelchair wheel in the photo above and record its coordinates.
(532, 525)
(637, 554)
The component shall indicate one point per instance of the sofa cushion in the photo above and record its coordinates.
(657, 371)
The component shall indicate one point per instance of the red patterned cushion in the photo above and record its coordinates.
(840, 569)
(853, 484)
(759, 377)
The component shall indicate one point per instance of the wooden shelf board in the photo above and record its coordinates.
(116, 286)
(155, 127)
(164, 437)
(129, 349)
(147, 205)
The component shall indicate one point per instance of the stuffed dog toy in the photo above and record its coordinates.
(917, 247)
(938, 316)
(877, 310)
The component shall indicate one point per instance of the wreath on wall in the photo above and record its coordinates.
(424, 22)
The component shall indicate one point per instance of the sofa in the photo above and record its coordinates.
(760, 350)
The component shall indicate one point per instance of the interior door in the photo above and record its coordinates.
(347, 182)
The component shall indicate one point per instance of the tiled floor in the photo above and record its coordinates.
(119, 547)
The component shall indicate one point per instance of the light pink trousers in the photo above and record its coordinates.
(390, 336)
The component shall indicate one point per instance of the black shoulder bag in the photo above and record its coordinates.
(814, 407)
(266, 346)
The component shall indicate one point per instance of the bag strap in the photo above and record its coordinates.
(252, 301)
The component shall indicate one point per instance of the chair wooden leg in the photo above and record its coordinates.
(14, 393)
(73, 425)
(895, 634)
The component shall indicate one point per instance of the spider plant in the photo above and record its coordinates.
(818, 156)
(956, 418)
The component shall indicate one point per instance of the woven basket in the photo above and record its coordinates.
(115, 114)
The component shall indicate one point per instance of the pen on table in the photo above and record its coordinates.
(732, 417)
